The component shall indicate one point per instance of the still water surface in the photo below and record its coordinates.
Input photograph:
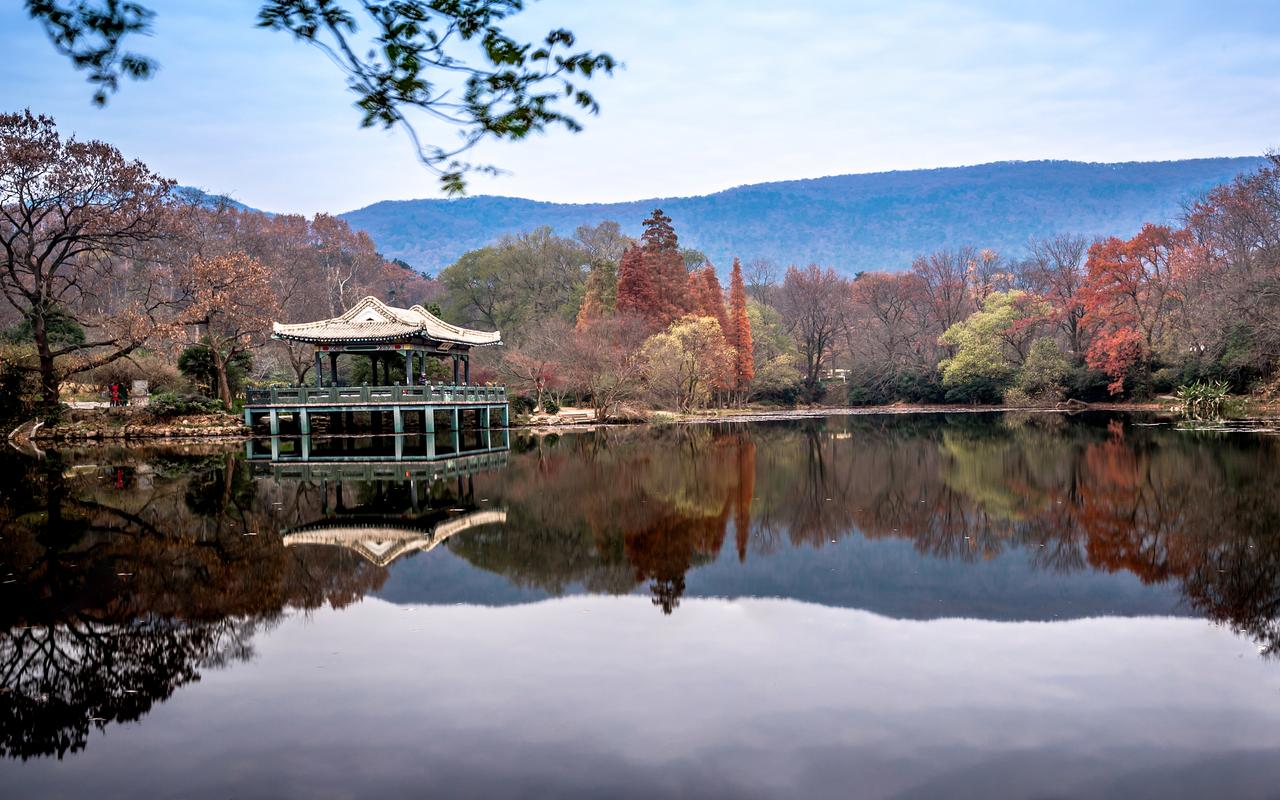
(975, 605)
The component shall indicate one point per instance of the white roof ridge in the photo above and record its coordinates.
(415, 320)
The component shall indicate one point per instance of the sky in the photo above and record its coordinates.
(713, 94)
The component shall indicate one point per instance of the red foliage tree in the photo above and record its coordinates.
(738, 332)
(666, 270)
(1129, 299)
(635, 288)
(708, 300)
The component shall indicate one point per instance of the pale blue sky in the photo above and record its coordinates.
(714, 94)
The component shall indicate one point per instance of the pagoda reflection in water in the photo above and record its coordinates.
(385, 497)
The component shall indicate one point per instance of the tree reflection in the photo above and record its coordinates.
(618, 509)
(123, 581)
(118, 589)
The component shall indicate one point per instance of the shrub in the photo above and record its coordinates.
(919, 386)
(1018, 398)
(977, 389)
(778, 394)
(196, 362)
(1087, 385)
(160, 375)
(19, 388)
(167, 405)
(550, 406)
(522, 404)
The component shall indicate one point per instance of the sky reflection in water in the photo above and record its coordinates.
(976, 605)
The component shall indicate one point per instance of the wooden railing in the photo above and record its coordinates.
(372, 395)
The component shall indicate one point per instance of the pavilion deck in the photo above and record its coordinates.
(339, 404)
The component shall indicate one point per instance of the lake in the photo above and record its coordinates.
(962, 605)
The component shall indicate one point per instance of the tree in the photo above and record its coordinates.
(686, 362)
(889, 330)
(708, 296)
(635, 288)
(229, 300)
(665, 266)
(989, 346)
(1045, 370)
(74, 219)
(814, 303)
(762, 278)
(318, 267)
(1129, 299)
(739, 333)
(773, 356)
(604, 244)
(1056, 272)
(196, 363)
(945, 281)
(602, 362)
(408, 59)
(517, 282)
(594, 306)
(1229, 279)
(536, 365)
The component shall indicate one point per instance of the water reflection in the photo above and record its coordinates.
(128, 573)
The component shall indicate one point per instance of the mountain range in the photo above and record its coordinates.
(851, 222)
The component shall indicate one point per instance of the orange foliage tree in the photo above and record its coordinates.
(708, 297)
(738, 333)
(1129, 299)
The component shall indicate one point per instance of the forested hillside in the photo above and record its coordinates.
(851, 222)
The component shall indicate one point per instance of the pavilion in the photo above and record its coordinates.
(385, 334)
(388, 337)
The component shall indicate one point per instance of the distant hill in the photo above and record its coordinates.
(852, 222)
(199, 197)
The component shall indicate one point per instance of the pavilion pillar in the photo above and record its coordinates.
(408, 368)
(319, 372)
(466, 370)
(455, 370)
(333, 369)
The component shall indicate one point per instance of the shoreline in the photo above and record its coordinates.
(182, 431)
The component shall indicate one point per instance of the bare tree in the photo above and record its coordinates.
(1056, 272)
(73, 219)
(762, 277)
(814, 303)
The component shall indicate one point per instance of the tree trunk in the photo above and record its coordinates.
(48, 374)
(220, 370)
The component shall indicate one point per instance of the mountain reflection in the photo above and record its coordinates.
(124, 574)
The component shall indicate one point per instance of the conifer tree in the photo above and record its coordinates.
(712, 297)
(635, 288)
(738, 332)
(665, 269)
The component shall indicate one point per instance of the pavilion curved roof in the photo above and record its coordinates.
(371, 320)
